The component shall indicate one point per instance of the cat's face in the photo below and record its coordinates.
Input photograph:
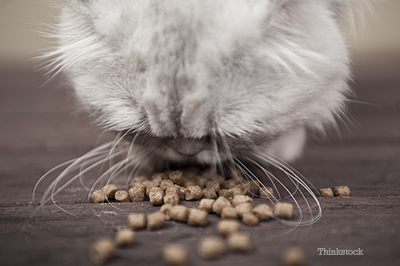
(187, 78)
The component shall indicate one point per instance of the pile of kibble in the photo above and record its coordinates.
(227, 198)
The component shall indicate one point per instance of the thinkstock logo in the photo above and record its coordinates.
(340, 252)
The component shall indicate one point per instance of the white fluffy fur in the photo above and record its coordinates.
(253, 71)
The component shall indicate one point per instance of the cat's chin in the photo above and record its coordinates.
(204, 157)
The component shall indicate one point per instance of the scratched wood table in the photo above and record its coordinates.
(39, 129)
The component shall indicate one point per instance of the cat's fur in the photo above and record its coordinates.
(207, 80)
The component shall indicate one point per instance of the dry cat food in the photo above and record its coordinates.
(266, 192)
(193, 193)
(177, 177)
(136, 221)
(249, 219)
(137, 192)
(228, 227)
(210, 247)
(175, 255)
(171, 198)
(209, 193)
(206, 205)
(342, 191)
(166, 190)
(122, 196)
(283, 210)
(179, 213)
(166, 210)
(124, 237)
(326, 192)
(156, 196)
(240, 242)
(98, 196)
(220, 204)
(263, 212)
(101, 251)
(109, 190)
(197, 217)
(294, 256)
(229, 213)
(155, 221)
(239, 199)
(243, 208)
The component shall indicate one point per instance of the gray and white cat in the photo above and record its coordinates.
(206, 81)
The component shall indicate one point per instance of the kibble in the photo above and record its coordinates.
(155, 221)
(239, 199)
(266, 192)
(240, 242)
(150, 185)
(189, 183)
(166, 184)
(229, 213)
(136, 221)
(263, 212)
(159, 177)
(193, 193)
(283, 210)
(220, 204)
(101, 251)
(249, 219)
(228, 184)
(228, 227)
(226, 193)
(124, 237)
(206, 205)
(156, 196)
(243, 208)
(201, 181)
(139, 180)
(294, 256)
(98, 196)
(209, 193)
(122, 196)
(342, 191)
(210, 247)
(214, 184)
(175, 255)
(173, 189)
(197, 217)
(179, 213)
(235, 191)
(181, 193)
(171, 198)
(109, 190)
(177, 177)
(137, 193)
(166, 210)
(326, 192)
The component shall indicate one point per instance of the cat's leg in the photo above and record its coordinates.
(289, 147)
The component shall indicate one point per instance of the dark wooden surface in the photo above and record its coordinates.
(39, 129)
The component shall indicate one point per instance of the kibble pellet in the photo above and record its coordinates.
(206, 205)
(124, 237)
(136, 221)
(155, 221)
(210, 247)
(228, 227)
(122, 196)
(240, 242)
(283, 210)
(101, 251)
(175, 255)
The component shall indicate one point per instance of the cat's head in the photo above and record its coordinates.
(187, 78)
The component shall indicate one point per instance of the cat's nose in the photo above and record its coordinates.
(188, 146)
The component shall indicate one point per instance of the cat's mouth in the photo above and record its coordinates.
(205, 150)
